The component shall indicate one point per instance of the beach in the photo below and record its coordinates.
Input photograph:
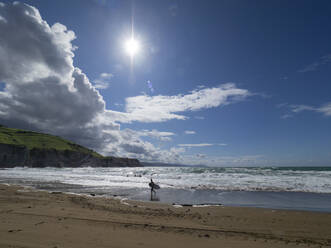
(31, 218)
(292, 188)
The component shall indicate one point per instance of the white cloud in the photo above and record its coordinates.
(324, 109)
(103, 81)
(314, 66)
(281, 105)
(162, 108)
(286, 116)
(201, 145)
(25, 58)
(196, 145)
(2, 19)
(43, 89)
(300, 108)
(106, 75)
(189, 132)
(159, 135)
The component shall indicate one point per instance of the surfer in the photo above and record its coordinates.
(152, 186)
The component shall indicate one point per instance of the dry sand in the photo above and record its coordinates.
(42, 219)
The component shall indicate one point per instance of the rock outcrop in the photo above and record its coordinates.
(16, 155)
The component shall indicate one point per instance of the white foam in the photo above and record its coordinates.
(177, 206)
(227, 179)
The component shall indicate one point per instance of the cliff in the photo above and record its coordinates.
(32, 149)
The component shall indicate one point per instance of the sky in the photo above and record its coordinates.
(217, 83)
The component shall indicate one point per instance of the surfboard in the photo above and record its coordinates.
(156, 186)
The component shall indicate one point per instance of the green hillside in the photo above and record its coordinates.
(36, 140)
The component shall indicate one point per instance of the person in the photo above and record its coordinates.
(152, 185)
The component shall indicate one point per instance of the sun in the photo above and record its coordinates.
(132, 47)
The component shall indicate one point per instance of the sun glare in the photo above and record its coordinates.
(132, 47)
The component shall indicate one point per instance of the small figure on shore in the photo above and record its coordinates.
(152, 186)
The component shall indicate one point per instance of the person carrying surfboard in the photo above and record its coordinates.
(152, 186)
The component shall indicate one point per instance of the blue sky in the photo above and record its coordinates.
(235, 82)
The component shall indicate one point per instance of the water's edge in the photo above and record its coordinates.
(316, 202)
(278, 188)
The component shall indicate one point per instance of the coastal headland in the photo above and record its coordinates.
(53, 219)
(32, 149)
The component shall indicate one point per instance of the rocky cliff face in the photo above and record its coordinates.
(13, 155)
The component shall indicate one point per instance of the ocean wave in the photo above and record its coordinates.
(276, 179)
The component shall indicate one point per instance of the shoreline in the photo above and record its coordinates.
(277, 200)
(44, 219)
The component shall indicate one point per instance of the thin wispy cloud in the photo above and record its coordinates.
(103, 81)
(189, 132)
(324, 109)
(195, 145)
(300, 108)
(201, 145)
(2, 19)
(315, 65)
(286, 116)
(162, 108)
(163, 136)
(281, 105)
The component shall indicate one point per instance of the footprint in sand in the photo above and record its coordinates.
(39, 223)
(14, 230)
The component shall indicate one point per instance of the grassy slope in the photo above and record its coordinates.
(39, 140)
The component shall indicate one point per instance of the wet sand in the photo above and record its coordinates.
(42, 219)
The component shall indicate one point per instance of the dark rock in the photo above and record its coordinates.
(14, 155)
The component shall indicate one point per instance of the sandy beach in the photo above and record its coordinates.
(43, 219)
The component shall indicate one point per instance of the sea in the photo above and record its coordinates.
(292, 188)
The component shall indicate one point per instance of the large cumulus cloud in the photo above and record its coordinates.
(42, 85)
(30, 48)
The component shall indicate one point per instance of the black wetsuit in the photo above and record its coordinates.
(152, 184)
